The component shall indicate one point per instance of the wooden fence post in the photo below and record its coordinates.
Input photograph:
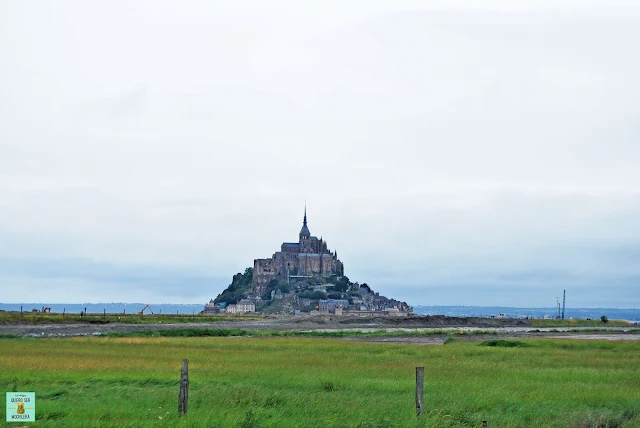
(419, 390)
(183, 396)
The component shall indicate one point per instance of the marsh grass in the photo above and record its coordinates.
(578, 323)
(502, 343)
(182, 332)
(131, 318)
(8, 336)
(299, 381)
(206, 332)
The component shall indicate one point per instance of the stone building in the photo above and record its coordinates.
(309, 257)
(244, 306)
(330, 305)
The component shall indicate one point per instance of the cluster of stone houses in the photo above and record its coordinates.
(371, 301)
(369, 304)
(374, 304)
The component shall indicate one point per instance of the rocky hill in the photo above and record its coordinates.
(307, 295)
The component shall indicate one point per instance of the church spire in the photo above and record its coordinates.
(304, 223)
(304, 232)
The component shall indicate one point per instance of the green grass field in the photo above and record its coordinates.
(286, 381)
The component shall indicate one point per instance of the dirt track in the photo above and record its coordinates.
(505, 328)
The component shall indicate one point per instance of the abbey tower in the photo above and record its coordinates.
(309, 257)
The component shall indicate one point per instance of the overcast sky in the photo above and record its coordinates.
(453, 152)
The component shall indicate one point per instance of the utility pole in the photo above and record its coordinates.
(564, 298)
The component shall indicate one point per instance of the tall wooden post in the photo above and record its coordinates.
(419, 390)
(183, 397)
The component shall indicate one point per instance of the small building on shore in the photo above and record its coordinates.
(244, 306)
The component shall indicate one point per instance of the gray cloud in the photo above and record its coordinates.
(464, 145)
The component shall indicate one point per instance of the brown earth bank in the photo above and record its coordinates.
(287, 322)
(506, 327)
(283, 323)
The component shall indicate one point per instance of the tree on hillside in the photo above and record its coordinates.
(284, 287)
(316, 295)
(342, 284)
(239, 288)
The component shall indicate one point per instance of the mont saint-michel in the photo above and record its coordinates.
(307, 258)
(304, 276)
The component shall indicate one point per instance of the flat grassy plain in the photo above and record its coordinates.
(298, 381)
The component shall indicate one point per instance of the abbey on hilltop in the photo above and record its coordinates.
(307, 258)
(303, 277)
